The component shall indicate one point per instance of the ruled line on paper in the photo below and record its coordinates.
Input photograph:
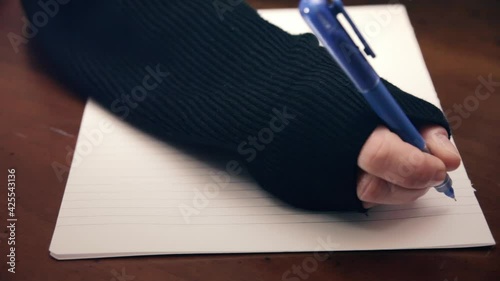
(162, 199)
(226, 218)
(232, 203)
(265, 214)
(149, 190)
(185, 180)
(236, 207)
(168, 207)
(277, 223)
(190, 194)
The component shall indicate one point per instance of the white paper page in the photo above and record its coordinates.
(125, 194)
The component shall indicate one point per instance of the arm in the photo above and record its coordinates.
(223, 84)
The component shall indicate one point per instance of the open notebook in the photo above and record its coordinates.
(133, 195)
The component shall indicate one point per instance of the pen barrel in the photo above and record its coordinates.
(387, 109)
(323, 21)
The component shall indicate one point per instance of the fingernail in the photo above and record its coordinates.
(445, 143)
(363, 181)
(367, 205)
(438, 179)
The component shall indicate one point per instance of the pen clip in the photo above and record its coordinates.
(338, 7)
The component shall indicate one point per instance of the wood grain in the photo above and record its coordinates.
(39, 122)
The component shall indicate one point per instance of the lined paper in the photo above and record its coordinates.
(129, 194)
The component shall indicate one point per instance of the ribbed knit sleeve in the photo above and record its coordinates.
(224, 79)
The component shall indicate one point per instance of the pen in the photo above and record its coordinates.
(322, 18)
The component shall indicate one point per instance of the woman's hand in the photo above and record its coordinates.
(395, 172)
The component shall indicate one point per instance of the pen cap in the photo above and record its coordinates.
(321, 16)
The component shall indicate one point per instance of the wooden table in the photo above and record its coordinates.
(39, 121)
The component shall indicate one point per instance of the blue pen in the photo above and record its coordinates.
(322, 18)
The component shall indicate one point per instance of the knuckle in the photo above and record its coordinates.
(418, 176)
(364, 185)
(416, 195)
(377, 153)
(372, 191)
(394, 177)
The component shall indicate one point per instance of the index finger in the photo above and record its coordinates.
(386, 156)
(439, 145)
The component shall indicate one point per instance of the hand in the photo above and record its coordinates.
(395, 172)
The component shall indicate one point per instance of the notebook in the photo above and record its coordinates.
(129, 194)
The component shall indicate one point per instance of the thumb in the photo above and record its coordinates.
(440, 146)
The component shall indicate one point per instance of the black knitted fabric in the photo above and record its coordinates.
(223, 76)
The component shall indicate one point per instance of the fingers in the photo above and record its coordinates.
(373, 190)
(386, 156)
(440, 146)
(395, 172)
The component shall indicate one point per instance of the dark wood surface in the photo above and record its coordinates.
(39, 119)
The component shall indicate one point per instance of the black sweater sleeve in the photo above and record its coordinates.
(223, 77)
